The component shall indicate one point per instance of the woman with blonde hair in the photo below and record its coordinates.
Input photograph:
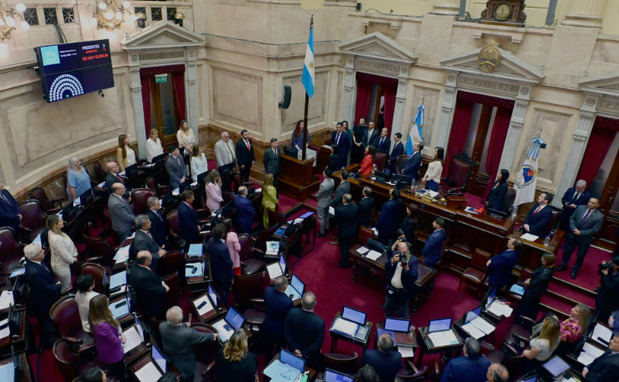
(269, 198)
(107, 335)
(186, 140)
(573, 327)
(198, 163)
(213, 190)
(78, 180)
(63, 251)
(153, 145)
(125, 156)
(545, 341)
(235, 362)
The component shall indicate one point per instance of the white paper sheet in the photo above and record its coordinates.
(207, 307)
(148, 373)
(589, 353)
(601, 332)
(483, 325)
(224, 330)
(473, 331)
(6, 331)
(529, 237)
(6, 299)
(344, 326)
(443, 338)
(499, 308)
(122, 254)
(406, 351)
(274, 270)
(362, 250)
(331, 211)
(373, 255)
(132, 339)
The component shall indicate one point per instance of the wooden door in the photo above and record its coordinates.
(165, 116)
(609, 204)
(478, 181)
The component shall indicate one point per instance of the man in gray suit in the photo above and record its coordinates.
(324, 201)
(584, 223)
(121, 212)
(224, 150)
(178, 339)
(342, 188)
(271, 160)
(143, 241)
(175, 166)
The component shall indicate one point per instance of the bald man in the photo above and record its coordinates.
(149, 289)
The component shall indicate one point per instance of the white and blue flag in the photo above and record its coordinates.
(415, 134)
(526, 178)
(308, 65)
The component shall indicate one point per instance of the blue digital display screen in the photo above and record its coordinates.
(234, 319)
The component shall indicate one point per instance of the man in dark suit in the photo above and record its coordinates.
(383, 143)
(361, 130)
(121, 211)
(304, 331)
(189, 226)
(276, 307)
(398, 149)
(385, 360)
(340, 138)
(607, 300)
(149, 289)
(500, 266)
(606, 367)
(112, 176)
(414, 162)
(371, 136)
(245, 213)
(245, 155)
(9, 210)
(158, 227)
(366, 207)
(341, 189)
(271, 160)
(333, 163)
(471, 367)
(44, 290)
(573, 197)
(433, 249)
(178, 339)
(346, 220)
(175, 167)
(539, 217)
(390, 215)
(221, 264)
(143, 241)
(584, 223)
(401, 271)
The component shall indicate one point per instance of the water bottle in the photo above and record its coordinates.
(547, 241)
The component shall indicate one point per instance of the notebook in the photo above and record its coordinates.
(194, 270)
(351, 323)
(229, 324)
(440, 333)
(589, 353)
(295, 289)
(148, 373)
(195, 250)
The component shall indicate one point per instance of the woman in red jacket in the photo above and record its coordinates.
(368, 161)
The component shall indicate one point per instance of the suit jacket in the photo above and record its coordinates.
(432, 250)
(362, 132)
(386, 364)
(346, 219)
(271, 161)
(245, 156)
(144, 242)
(465, 369)
(43, 288)
(539, 223)
(148, 290)
(366, 207)
(245, 214)
(333, 163)
(221, 263)
(607, 299)
(224, 155)
(412, 165)
(408, 278)
(385, 146)
(604, 369)
(370, 137)
(305, 331)
(398, 149)
(178, 344)
(390, 216)
(568, 197)
(323, 196)
(176, 170)
(9, 209)
(121, 214)
(188, 223)
(540, 277)
(158, 227)
(343, 147)
(276, 307)
(587, 228)
(111, 179)
(340, 190)
(496, 197)
(500, 268)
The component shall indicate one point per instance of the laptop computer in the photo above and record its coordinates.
(295, 289)
(277, 269)
(159, 359)
(472, 314)
(87, 197)
(120, 308)
(336, 376)
(398, 328)
(351, 323)
(118, 279)
(229, 324)
(439, 325)
(287, 368)
(131, 171)
(159, 158)
(555, 367)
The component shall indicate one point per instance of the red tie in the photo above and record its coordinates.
(537, 210)
(247, 143)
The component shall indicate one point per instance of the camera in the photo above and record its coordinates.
(403, 259)
(606, 265)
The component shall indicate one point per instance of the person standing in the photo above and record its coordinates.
(213, 190)
(153, 145)
(304, 330)
(125, 156)
(323, 196)
(398, 149)
(584, 223)
(433, 249)
(269, 199)
(199, 164)
(367, 164)
(605, 368)
(10, 214)
(112, 175)
(224, 151)
(143, 241)
(78, 180)
(175, 167)
(572, 198)
(470, 367)
(340, 138)
(245, 155)
(607, 300)
(402, 271)
(498, 192)
(500, 267)
(347, 227)
(276, 307)
(539, 217)
(149, 289)
(341, 189)
(366, 207)
(408, 225)
(372, 135)
(271, 160)
(414, 162)
(189, 225)
(359, 136)
(234, 362)
(297, 138)
(121, 212)
(158, 226)
(385, 360)
(535, 286)
(432, 178)
(221, 263)
(234, 247)
(185, 140)
(107, 336)
(245, 213)
(85, 293)
(383, 143)
(390, 216)
(62, 250)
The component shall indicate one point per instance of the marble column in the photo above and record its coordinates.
(398, 110)
(440, 136)
(585, 13)
(138, 109)
(350, 92)
(191, 91)
(515, 129)
(446, 7)
(577, 149)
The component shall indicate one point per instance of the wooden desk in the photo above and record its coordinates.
(428, 347)
(296, 177)
(411, 339)
(19, 340)
(339, 336)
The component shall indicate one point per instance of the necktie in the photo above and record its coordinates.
(382, 141)
(247, 144)
(585, 217)
(119, 178)
(537, 210)
(337, 139)
(575, 196)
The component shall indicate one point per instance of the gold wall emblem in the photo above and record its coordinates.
(489, 57)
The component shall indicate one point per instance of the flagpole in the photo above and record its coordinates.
(306, 106)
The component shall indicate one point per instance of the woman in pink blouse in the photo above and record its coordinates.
(573, 328)
(213, 190)
(234, 247)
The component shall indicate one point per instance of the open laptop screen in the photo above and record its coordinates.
(334, 376)
(212, 295)
(353, 315)
(282, 263)
(556, 366)
(297, 284)
(397, 325)
(472, 314)
(234, 319)
(439, 325)
(292, 360)
(159, 359)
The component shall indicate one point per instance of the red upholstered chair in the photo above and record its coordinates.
(98, 274)
(139, 196)
(171, 298)
(205, 353)
(11, 251)
(341, 362)
(411, 373)
(65, 315)
(98, 173)
(174, 224)
(48, 205)
(457, 175)
(379, 160)
(67, 361)
(401, 162)
(251, 258)
(248, 292)
(474, 275)
(99, 250)
(33, 218)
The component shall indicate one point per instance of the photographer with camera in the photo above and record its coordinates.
(401, 270)
(607, 299)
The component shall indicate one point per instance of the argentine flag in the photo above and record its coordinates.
(308, 65)
(416, 131)
(526, 178)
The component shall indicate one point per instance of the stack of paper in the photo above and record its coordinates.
(17, 272)
(148, 373)
(272, 247)
(406, 351)
(346, 327)
(6, 299)
(589, 353)
(331, 211)
(122, 255)
(362, 250)
(529, 237)
(499, 308)
(601, 334)
(517, 289)
(132, 339)
(281, 372)
(373, 255)
(298, 221)
(443, 338)
(203, 305)
(478, 328)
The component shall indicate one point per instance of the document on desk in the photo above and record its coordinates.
(203, 305)
(331, 211)
(279, 371)
(132, 339)
(601, 334)
(343, 326)
(272, 247)
(122, 254)
(589, 353)
(473, 331)
(443, 338)
(7, 372)
(6, 299)
(483, 325)
(118, 279)
(194, 270)
(148, 373)
(195, 250)
(362, 250)
(373, 255)
(529, 237)
(499, 308)
(4, 328)
(406, 351)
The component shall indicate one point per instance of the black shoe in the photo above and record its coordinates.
(561, 268)
(573, 275)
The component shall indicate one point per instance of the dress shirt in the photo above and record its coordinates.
(396, 280)
(153, 148)
(198, 166)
